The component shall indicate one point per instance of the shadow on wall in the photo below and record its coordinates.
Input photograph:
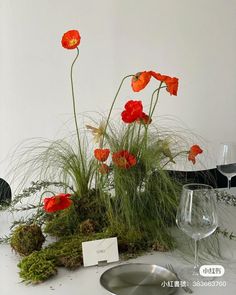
(5, 192)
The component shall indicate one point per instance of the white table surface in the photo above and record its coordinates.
(85, 281)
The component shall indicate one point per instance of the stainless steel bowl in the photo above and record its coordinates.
(138, 279)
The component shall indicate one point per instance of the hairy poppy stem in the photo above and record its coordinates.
(151, 110)
(74, 108)
(169, 161)
(112, 106)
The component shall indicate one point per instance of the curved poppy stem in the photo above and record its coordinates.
(112, 106)
(182, 152)
(151, 110)
(74, 108)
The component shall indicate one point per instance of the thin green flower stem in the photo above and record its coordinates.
(151, 110)
(144, 140)
(97, 176)
(146, 136)
(182, 152)
(132, 135)
(126, 138)
(112, 106)
(74, 108)
(139, 130)
(157, 97)
(150, 107)
(93, 172)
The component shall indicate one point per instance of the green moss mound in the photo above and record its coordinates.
(26, 239)
(88, 227)
(62, 223)
(37, 267)
(67, 252)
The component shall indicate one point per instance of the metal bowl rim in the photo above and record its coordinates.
(123, 265)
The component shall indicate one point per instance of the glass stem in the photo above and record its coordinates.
(196, 263)
(229, 182)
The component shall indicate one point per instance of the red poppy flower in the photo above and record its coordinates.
(140, 80)
(123, 159)
(193, 152)
(56, 203)
(133, 111)
(158, 76)
(104, 168)
(171, 83)
(71, 39)
(101, 154)
(144, 119)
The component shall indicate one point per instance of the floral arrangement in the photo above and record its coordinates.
(122, 189)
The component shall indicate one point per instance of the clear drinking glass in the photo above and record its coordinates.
(196, 217)
(226, 160)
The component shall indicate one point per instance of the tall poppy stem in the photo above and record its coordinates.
(176, 155)
(112, 106)
(74, 108)
(150, 113)
(152, 109)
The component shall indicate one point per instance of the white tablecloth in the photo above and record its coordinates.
(85, 281)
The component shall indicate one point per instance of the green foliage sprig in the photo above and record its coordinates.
(226, 197)
(226, 233)
(36, 187)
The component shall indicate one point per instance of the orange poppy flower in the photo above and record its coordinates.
(171, 83)
(193, 152)
(144, 119)
(101, 154)
(133, 111)
(104, 168)
(140, 81)
(71, 39)
(123, 159)
(56, 203)
(159, 77)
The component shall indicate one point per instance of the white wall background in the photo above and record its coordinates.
(192, 40)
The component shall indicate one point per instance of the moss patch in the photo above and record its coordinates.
(26, 239)
(67, 252)
(37, 267)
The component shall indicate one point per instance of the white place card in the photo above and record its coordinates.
(100, 251)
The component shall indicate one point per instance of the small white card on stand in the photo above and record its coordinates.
(100, 251)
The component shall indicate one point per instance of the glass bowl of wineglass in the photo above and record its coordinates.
(226, 160)
(197, 218)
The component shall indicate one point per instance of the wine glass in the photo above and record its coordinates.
(196, 217)
(226, 160)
